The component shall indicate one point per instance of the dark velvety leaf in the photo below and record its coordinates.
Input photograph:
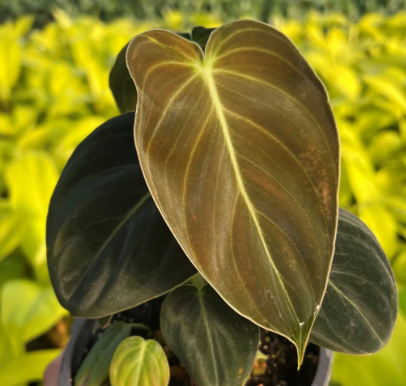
(240, 151)
(215, 344)
(108, 247)
(359, 309)
(121, 84)
(200, 35)
(139, 362)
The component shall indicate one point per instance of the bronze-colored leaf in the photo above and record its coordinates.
(240, 151)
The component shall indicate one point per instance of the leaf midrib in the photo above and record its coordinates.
(207, 74)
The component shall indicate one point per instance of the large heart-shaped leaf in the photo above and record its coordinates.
(240, 151)
(359, 309)
(215, 344)
(108, 247)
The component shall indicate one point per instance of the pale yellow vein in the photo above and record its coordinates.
(357, 309)
(240, 182)
(185, 177)
(294, 100)
(209, 338)
(323, 337)
(192, 111)
(243, 49)
(271, 32)
(171, 48)
(294, 246)
(157, 66)
(163, 113)
(265, 319)
(258, 127)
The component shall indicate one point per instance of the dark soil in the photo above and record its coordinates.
(280, 368)
(277, 368)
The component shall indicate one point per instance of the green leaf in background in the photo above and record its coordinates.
(8, 349)
(28, 367)
(31, 179)
(10, 68)
(359, 309)
(215, 344)
(386, 368)
(139, 362)
(399, 267)
(121, 84)
(28, 310)
(108, 246)
(12, 229)
(15, 266)
(383, 225)
(245, 142)
(402, 301)
(94, 370)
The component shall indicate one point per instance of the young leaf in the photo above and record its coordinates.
(359, 309)
(95, 368)
(240, 151)
(139, 362)
(108, 247)
(215, 344)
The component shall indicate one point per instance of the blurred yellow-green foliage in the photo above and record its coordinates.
(54, 92)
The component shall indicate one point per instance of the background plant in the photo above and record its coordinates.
(54, 92)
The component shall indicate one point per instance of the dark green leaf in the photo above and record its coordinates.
(121, 84)
(108, 246)
(215, 344)
(200, 35)
(359, 309)
(139, 362)
(95, 368)
(240, 151)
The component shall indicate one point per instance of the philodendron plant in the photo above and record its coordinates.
(234, 176)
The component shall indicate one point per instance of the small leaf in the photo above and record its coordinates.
(108, 246)
(215, 344)
(243, 140)
(139, 362)
(359, 309)
(95, 368)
